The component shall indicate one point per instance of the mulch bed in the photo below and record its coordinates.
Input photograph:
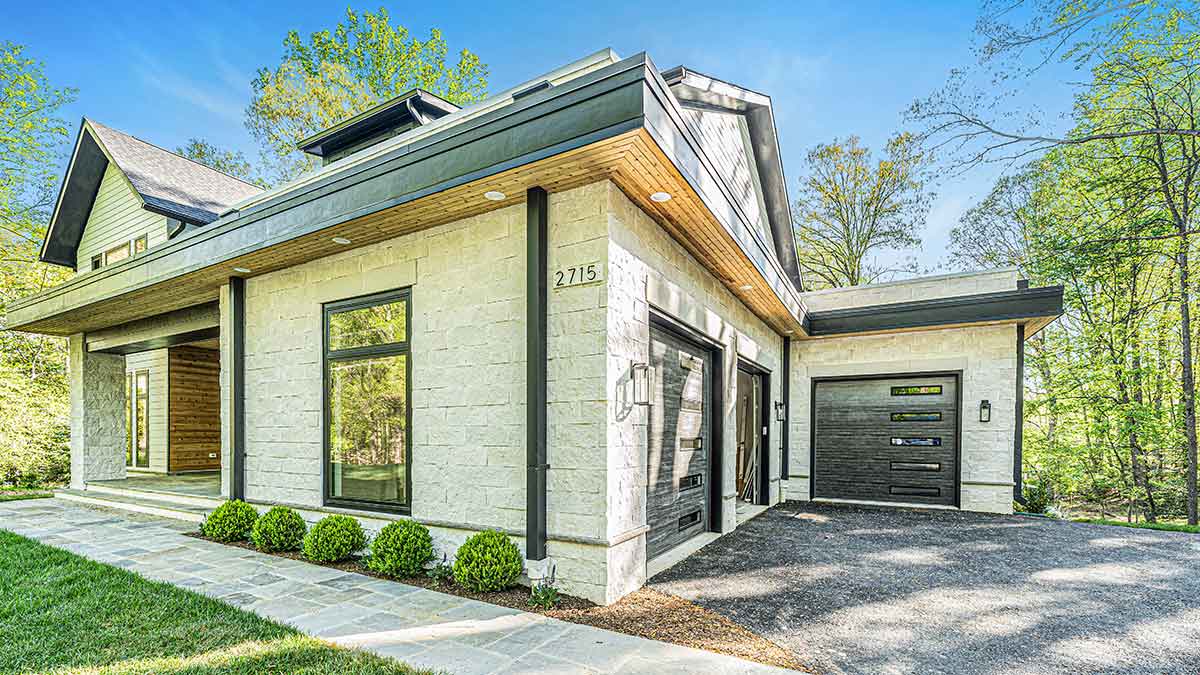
(644, 613)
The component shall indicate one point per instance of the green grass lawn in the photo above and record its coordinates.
(1165, 527)
(63, 613)
(8, 495)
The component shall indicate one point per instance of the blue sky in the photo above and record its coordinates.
(166, 73)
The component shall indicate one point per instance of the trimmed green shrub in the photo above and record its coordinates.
(488, 561)
(231, 521)
(401, 549)
(1038, 498)
(333, 539)
(280, 529)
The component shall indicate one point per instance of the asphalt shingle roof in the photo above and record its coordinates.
(170, 183)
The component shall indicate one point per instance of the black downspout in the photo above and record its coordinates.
(785, 388)
(536, 232)
(237, 386)
(1020, 425)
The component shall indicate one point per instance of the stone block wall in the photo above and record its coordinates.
(96, 384)
(987, 357)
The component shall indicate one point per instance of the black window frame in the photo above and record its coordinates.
(355, 354)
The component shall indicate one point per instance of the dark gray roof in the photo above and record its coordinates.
(171, 184)
(167, 183)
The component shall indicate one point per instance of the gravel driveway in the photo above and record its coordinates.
(865, 590)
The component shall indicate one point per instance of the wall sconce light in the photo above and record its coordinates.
(985, 411)
(780, 412)
(641, 375)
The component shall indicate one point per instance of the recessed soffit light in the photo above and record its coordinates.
(242, 270)
(746, 287)
(340, 240)
(495, 195)
(660, 197)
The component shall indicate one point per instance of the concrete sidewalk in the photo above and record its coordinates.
(420, 627)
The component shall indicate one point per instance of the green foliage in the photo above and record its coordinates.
(1163, 527)
(231, 521)
(230, 162)
(544, 596)
(401, 549)
(333, 539)
(850, 207)
(279, 529)
(442, 573)
(34, 423)
(1037, 498)
(334, 74)
(488, 561)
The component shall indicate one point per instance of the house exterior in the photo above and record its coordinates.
(571, 312)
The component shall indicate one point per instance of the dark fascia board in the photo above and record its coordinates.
(612, 100)
(677, 140)
(602, 104)
(764, 140)
(173, 340)
(1016, 305)
(78, 191)
(386, 115)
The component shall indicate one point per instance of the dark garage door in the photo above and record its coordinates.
(677, 491)
(892, 440)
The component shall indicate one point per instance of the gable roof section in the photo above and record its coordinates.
(696, 90)
(166, 183)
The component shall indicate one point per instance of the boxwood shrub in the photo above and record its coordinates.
(280, 529)
(488, 561)
(401, 549)
(231, 521)
(333, 539)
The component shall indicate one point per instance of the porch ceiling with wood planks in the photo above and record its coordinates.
(633, 160)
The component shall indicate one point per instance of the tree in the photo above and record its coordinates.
(1140, 106)
(850, 207)
(231, 162)
(33, 398)
(336, 74)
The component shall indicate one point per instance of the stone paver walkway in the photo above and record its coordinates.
(421, 627)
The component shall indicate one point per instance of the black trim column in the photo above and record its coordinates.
(237, 387)
(536, 300)
(1018, 432)
(785, 392)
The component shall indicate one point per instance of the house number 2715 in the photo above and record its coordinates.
(577, 275)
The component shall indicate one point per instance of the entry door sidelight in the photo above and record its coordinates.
(137, 422)
(679, 441)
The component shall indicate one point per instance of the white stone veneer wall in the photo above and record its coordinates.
(468, 378)
(96, 384)
(648, 269)
(987, 357)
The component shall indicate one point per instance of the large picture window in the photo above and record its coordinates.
(367, 417)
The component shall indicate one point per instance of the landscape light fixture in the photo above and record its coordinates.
(494, 195)
(640, 374)
(660, 197)
(985, 411)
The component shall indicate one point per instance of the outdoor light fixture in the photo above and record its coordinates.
(780, 412)
(494, 195)
(242, 270)
(340, 240)
(746, 287)
(660, 197)
(640, 374)
(985, 411)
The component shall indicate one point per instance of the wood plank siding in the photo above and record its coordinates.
(117, 216)
(195, 409)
